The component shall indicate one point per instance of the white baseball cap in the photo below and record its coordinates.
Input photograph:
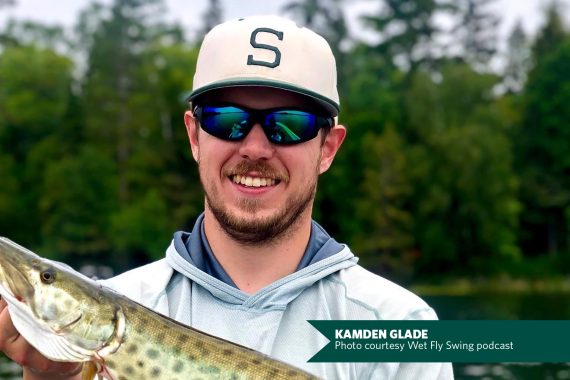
(268, 51)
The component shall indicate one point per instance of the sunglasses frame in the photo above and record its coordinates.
(257, 116)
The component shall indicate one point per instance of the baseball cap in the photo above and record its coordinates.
(267, 51)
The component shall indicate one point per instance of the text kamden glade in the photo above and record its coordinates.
(407, 339)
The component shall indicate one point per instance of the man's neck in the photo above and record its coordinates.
(252, 267)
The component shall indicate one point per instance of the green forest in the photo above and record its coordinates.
(452, 167)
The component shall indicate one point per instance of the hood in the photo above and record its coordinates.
(275, 295)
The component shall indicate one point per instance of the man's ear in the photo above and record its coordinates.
(192, 130)
(330, 146)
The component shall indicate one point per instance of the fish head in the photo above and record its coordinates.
(59, 311)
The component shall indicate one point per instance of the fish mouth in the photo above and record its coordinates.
(35, 320)
(61, 329)
(13, 280)
(14, 283)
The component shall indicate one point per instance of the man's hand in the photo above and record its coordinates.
(36, 366)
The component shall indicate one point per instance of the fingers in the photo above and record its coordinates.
(11, 342)
(20, 351)
(8, 332)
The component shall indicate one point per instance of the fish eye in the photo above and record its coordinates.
(47, 276)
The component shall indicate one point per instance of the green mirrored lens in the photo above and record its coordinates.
(290, 126)
(230, 123)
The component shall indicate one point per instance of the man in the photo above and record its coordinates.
(262, 128)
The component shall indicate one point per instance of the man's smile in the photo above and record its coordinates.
(253, 181)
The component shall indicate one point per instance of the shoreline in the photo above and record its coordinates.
(494, 285)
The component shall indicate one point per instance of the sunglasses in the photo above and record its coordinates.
(282, 126)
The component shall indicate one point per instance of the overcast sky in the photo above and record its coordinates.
(188, 12)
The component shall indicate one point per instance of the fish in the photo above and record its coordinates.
(69, 317)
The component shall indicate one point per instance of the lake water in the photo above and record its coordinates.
(481, 306)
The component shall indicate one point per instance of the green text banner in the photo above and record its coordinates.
(444, 341)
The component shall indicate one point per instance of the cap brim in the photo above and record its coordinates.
(330, 106)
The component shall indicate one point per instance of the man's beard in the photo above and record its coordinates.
(270, 229)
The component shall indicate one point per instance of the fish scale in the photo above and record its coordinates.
(69, 317)
(182, 355)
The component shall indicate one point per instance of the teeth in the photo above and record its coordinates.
(253, 181)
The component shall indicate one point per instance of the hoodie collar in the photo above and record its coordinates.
(275, 295)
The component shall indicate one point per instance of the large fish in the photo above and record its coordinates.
(69, 317)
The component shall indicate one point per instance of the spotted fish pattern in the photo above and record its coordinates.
(69, 317)
(156, 347)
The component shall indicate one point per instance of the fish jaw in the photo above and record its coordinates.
(52, 345)
(12, 280)
(48, 316)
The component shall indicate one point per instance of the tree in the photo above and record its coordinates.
(551, 35)
(35, 100)
(32, 33)
(33, 97)
(476, 31)
(461, 168)
(517, 60)
(178, 176)
(12, 205)
(76, 205)
(385, 239)
(408, 44)
(211, 17)
(540, 142)
(369, 105)
(464, 201)
(139, 73)
(144, 228)
(4, 38)
(544, 155)
(408, 32)
(326, 17)
(117, 84)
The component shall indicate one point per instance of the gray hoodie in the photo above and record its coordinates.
(274, 320)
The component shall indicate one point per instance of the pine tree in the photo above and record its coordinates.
(211, 17)
(542, 141)
(408, 32)
(327, 18)
(517, 60)
(385, 237)
(115, 82)
(476, 31)
(543, 151)
(129, 118)
(552, 34)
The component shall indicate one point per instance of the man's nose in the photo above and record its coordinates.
(256, 146)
